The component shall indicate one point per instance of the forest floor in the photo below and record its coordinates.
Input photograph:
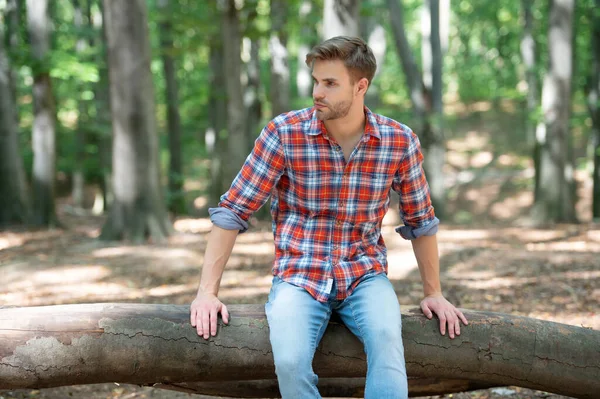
(492, 259)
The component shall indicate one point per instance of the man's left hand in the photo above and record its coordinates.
(445, 311)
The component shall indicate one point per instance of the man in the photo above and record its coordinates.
(329, 170)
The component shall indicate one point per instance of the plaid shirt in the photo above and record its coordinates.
(327, 212)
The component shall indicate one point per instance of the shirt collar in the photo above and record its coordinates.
(316, 126)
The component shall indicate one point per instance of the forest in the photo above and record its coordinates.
(122, 122)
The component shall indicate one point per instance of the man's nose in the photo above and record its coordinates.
(318, 92)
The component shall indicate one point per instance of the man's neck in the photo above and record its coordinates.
(348, 127)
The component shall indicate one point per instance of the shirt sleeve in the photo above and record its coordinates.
(253, 184)
(410, 183)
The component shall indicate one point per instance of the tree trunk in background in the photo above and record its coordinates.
(236, 114)
(252, 101)
(176, 201)
(280, 71)
(593, 97)
(556, 199)
(41, 347)
(138, 210)
(44, 120)
(340, 18)
(528, 49)
(303, 78)
(432, 141)
(83, 119)
(374, 33)
(103, 115)
(215, 144)
(434, 145)
(13, 14)
(14, 206)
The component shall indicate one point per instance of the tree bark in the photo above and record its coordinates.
(176, 201)
(14, 205)
(214, 140)
(593, 97)
(556, 199)
(44, 120)
(82, 116)
(340, 18)
(144, 344)
(328, 387)
(138, 210)
(374, 33)
(280, 71)
(236, 114)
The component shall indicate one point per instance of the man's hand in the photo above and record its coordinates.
(203, 314)
(445, 311)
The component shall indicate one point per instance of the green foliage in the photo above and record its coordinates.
(483, 63)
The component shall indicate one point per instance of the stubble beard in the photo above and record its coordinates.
(335, 111)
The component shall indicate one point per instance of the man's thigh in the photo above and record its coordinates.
(296, 319)
(372, 312)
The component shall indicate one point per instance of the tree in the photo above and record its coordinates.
(593, 99)
(236, 114)
(426, 102)
(280, 71)
(44, 122)
(150, 343)
(556, 199)
(14, 206)
(176, 194)
(340, 18)
(138, 210)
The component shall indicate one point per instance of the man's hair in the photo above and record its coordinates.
(353, 51)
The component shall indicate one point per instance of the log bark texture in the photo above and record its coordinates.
(145, 343)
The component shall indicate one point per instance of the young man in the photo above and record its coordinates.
(329, 170)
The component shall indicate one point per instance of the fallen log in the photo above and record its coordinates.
(143, 344)
(328, 387)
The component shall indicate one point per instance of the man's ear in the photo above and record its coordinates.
(362, 86)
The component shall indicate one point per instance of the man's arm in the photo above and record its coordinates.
(206, 307)
(426, 252)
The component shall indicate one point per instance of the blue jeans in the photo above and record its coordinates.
(297, 322)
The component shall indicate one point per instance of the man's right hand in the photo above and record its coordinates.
(204, 312)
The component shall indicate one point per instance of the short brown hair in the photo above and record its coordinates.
(353, 51)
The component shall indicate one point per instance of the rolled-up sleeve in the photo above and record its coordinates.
(410, 183)
(253, 184)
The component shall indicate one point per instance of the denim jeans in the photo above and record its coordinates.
(297, 322)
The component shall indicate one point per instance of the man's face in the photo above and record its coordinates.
(333, 90)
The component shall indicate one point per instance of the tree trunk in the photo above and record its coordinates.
(44, 120)
(176, 193)
(103, 114)
(14, 206)
(593, 97)
(236, 114)
(82, 118)
(374, 33)
(13, 22)
(340, 18)
(328, 387)
(138, 210)
(556, 199)
(432, 140)
(303, 78)
(144, 344)
(214, 140)
(280, 71)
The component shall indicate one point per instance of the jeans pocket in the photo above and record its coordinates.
(276, 283)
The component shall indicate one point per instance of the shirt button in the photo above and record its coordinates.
(342, 204)
(338, 222)
(334, 247)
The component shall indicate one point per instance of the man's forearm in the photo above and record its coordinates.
(426, 252)
(218, 249)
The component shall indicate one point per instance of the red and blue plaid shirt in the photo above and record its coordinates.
(327, 212)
